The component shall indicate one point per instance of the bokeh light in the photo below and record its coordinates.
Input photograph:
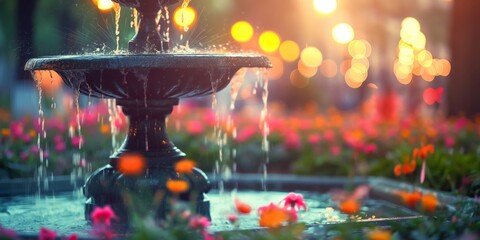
(311, 57)
(269, 41)
(242, 31)
(325, 6)
(184, 17)
(329, 68)
(289, 51)
(343, 33)
(104, 5)
(297, 80)
(359, 48)
(305, 70)
(131, 164)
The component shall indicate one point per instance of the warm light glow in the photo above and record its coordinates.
(446, 68)
(269, 41)
(343, 33)
(48, 80)
(305, 70)
(311, 57)
(297, 80)
(325, 6)
(184, 17)
(350, 80)
(425, 58)
(419, 41)
(359, 48)
(328, 68)
(411, 24)
(242, 31)
(276, 72)
(131, 164)
(105, 5)
(289, 51)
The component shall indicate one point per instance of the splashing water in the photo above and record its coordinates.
(262, 79)
(118, 9)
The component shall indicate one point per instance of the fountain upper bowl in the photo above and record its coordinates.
(148, 76)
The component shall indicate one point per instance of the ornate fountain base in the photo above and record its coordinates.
(146, 137)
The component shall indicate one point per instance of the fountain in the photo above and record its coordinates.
(147, 83)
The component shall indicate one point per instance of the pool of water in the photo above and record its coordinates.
(64, 212)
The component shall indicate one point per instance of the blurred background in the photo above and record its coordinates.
(340, 53)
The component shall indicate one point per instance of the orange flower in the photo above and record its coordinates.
(185, 166)
(423, 152)
(5, 132)
(349, 206)
(378, 234)
(405, 168)
(429, 203)
(410, 199)
(273, 216)
(242, 207)
(177, 186)
(104, 128)
(131, 164)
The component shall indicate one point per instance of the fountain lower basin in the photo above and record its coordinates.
(64, 211)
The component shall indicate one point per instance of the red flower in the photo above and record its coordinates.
(294, 201)
(47, 234)
(199, 222)
(103, 215)
(232, 218)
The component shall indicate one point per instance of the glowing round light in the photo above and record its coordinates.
(419, 41)
(425, 58)
(325, 6)
(350, 81)
(343, 33)
(184, 17)
(329, 68)
(242, 31)
(356, 75)
(289, 51)
(359, 48)
(411, 24)
(297, 80)
(305, 70)
(446, 67)
(311, 57)
(105, 5)
(269, 41)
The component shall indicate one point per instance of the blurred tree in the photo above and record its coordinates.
(464, 86)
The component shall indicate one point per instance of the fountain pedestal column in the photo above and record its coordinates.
(146, 137)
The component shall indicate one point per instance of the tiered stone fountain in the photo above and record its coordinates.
(147, 83)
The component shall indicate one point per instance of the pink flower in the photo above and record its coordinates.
(245, 134)
(77, 141)
(103, 215)
(232, 218)
(34, 149)
(329, 135)
(292, 141)
(207, 236)
(449, 142)
(47, 234)
(195, 127)
(314, 138)
(72, 237)
(16, 129)
(26, 138)
(6, 233)
(370, 148)
(335, 150)
(294, 201)
(199, 222)
(60, 146)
